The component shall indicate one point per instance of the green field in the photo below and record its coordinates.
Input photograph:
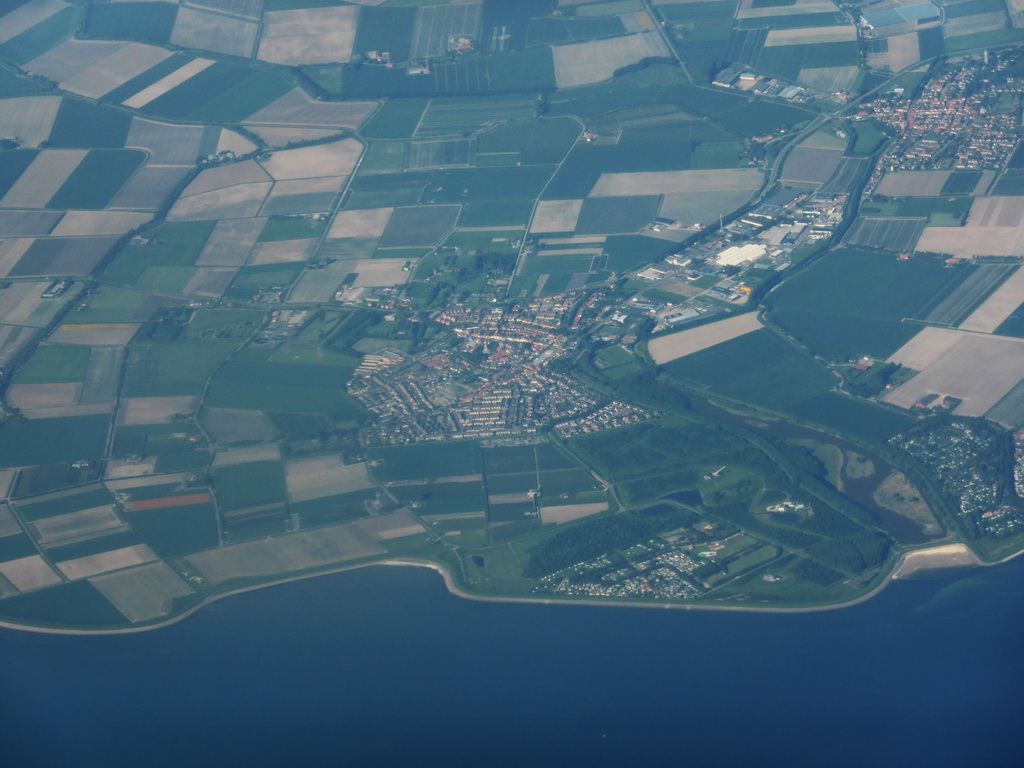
(112, 304)
(333, 509)
(536, 142)
(335, 404)
(173, 244)
(443, 498)
(291, 228)
(222, 93)
(249, 485)
(95, 496)
(787, 60)
(671, 147)
(426, 460)
(13, 85)
(553, 31)
(150, 76)
(160, 370)
(12, 165)
(302, 376)
(37, 40)
(759, 368)
(396, 119)
(853, 417)
(48, 441)
(176, 531)
(54, 364)
(143, 22)
(458, 185)
(853, 303)
(82, 125)
(97, 179)
(498, 73)
(386, 29)
(502, 213)
(961, 183)
(75, 604)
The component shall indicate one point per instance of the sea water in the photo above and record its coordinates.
(384, 667)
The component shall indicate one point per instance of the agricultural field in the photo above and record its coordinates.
(949, 364)
(853, 302)
(230, 230)
(994, 228)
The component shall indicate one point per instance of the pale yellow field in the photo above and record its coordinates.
(29, 396)
(93, 68)
(61, 529)
(89, 223)
(154, 410)
(28, 573)
(210, 281)
(926, 347)
(570, 512)
(829, 79)
(224, 176)
(335, 159)
(298, 108)
(230, 242)
(995, 227)
(27, 16)
(320, 476)
(665, 349)
(380, 273)
(21, 303)
(286, 554)
(63, 411)
(30, 118)
(556, 216)
(597, 60)
(167, 83)
(232, 141)
(144, 482)
(8, 523)
(281, 252)
(904, 50)
(747, 11)
(309, 36)
(392, 526)
(955, 372)
(95, 334)
(675, 182)
(43, 177)
(115, 560)
(245, 454)
(11, 252)
(213, 32)
(240, 201)
(370, 222)
(997, 307)
(811, 35)
(142, 593)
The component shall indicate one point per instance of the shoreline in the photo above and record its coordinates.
(454, 588)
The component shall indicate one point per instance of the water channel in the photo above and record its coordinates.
(861, 490)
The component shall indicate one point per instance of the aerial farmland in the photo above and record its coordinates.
(292, 286)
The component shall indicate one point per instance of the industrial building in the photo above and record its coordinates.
(741, 254)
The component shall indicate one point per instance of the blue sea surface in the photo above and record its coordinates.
(383, 667)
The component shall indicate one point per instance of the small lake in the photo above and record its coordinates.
(860, 489)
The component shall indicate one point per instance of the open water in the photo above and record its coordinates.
(383, 667)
